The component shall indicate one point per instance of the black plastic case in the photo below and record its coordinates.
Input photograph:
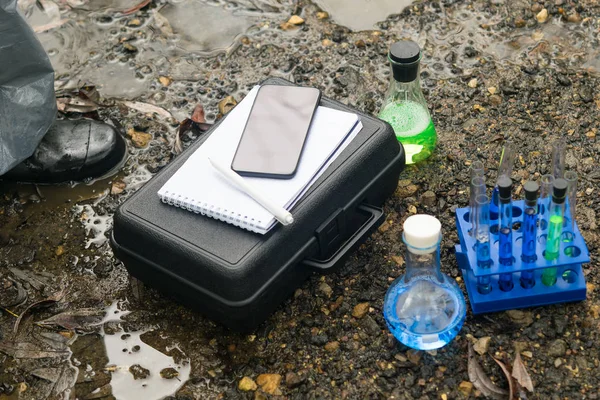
(237, 277)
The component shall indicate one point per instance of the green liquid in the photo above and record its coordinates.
(413, 128)
(552, 248)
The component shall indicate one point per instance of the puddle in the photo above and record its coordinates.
(95, 225)
(360, 15)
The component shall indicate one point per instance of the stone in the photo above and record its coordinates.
(296, 20)
(322, 15)
(558, 362)
(360, 310)
(557, 348)
(325, 289)
(495, 100)
(326, 42)
(406, 188)
(527, 354)
(520, 23)
(428, 198)
(269, 383)
(492, 90)
(542, 16)
(482, 345)
(293, 380)
(472, 83)
(60, 250)
(139, 372)
(139, 139)
(332, 346)
(414, 356)
(117, 187)
(169, 373)
(524, 318)
(164, 80)
(246, 384)
(465, 388)
(227, 104)
(399, 260)
(574, 17)
(585, 92)
(360, 44)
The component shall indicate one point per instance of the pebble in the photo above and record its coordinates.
(585, 92)
(492, 90)
(414, 356)
(322, 15)
(325, 289)
(293, 380)
(524, 318)
(269, 383)
(169, 373)
(332, 346)
(542, 16)
(563, 80)
(139, 372)
(465, 388)
(296, 20)
(558, 362)
(117, 187)
(482, 345)
(557, 348)
(227, 104)
(428, 198)
(472, 83)
(165, 80)
(399, 260)
(574, 17)
(60, 250)
(326, 42)
(406, 188)
(360, 310)
(246, 384)
(527, 354)
(495, 100)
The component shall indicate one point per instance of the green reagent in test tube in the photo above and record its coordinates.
(555, 227)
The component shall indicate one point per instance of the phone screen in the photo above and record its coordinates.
(274, 136)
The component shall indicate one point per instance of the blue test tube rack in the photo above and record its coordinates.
(570, 283)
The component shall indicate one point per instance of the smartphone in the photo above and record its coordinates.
(276, 130)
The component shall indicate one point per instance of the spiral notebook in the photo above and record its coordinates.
(199, 188)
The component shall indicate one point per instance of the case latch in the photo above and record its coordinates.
(331, 234)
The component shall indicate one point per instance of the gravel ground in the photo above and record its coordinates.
(492, 71)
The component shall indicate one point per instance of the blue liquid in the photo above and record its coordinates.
(483, 261)
(505, 248)
(424, 314)
(529, 242)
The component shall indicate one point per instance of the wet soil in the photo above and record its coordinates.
(492, 71)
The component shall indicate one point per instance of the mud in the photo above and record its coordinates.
(535, 82)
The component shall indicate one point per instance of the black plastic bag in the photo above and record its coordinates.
(27, 101)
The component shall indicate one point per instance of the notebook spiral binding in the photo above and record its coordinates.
(210, 211)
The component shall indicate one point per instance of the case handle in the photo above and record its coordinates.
(374, 219)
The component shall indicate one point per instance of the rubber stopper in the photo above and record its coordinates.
(422, 233)
(405, 56)
(531, 192)
(560, 191)
(505, 188)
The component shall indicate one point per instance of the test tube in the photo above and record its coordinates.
(558, 158)
(555, 227)
(505, 256)
(477, 169)
(544, 200)
(571, 178)
(482, 244)
(477, 187)
(530, 216)
(507, 160)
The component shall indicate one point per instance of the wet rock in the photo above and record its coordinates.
(169, 373)
(117, 187)
(557, 348)
(563, 80)
(472, 83)
(332, 346)
(574, 17)
(319, 340)
(296, 20)
(471, 52)
(322, 15)
(414, 356)
(542, 16)
(129, 48)
(495, 100)
(370, 326)
(585, 92)
(428, 198)
(360, 310)
(139, 139)
(165, 80)
(520, 23)
(269, 383)
(482, 345)
(293, 380)
(246, 384)
(139, 372)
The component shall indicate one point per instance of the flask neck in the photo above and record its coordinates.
(405, 91)
(420, 263)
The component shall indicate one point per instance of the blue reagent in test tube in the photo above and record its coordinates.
(555, 228)
(482, 244)
(530, 217)
(505, 254)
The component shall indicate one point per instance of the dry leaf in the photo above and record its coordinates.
(50, 26)
(75, 104)
(511, 386)
(55, 298)
(520, 373)
(481, 381)
(147, 108)
(29, 350)
(79, 319)
(19, 299)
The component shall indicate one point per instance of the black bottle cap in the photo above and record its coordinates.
(559, 191)
(504, 189)
(531, 193)
(405, 56)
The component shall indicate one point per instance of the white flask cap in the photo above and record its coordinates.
(422, 233)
